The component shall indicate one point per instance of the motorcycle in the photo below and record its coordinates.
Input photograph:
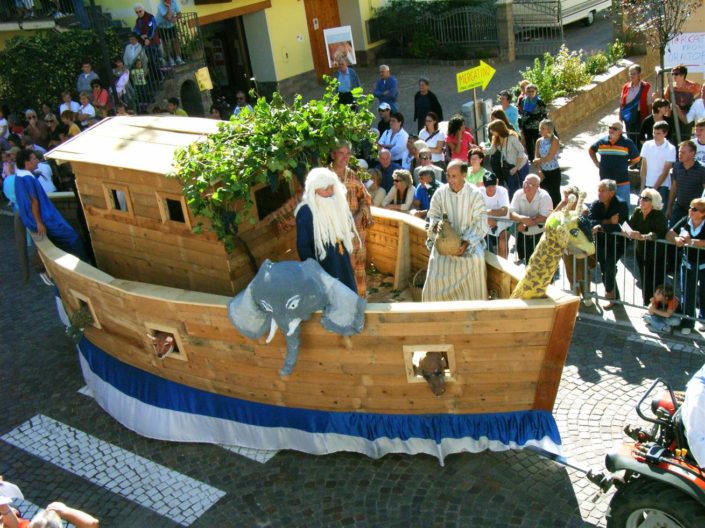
(662, 485)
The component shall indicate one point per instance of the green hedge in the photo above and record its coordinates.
(39, 67)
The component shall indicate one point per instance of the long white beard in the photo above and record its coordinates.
(332, 222)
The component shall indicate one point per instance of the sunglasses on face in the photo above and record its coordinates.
(615, 129)
(645, 198)
(695, 209)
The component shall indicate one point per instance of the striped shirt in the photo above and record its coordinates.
(615, 158)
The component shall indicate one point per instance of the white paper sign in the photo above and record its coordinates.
(687, 49)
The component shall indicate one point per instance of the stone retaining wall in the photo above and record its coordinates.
(567, 112)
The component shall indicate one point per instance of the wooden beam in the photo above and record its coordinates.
(231, 13)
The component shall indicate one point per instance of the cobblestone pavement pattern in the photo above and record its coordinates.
(608, 368)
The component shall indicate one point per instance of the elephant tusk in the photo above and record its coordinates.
(293, 325)
(272, 330)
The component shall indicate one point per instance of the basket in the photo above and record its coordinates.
(416, 284)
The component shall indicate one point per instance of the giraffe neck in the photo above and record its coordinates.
(541, 269)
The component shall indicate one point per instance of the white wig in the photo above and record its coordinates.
(332, 219)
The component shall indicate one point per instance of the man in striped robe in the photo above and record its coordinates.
(459, 277)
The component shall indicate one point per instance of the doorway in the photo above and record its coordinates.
(320, 15)
(228, 59)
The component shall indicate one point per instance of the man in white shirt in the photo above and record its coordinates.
(657, 158)
(497, 202)
(697, 110)
(699, 140)
(530, 208)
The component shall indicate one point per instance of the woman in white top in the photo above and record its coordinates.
(435, 139)
(395, 137)
(401, 196)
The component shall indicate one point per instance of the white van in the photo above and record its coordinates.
(544, 13)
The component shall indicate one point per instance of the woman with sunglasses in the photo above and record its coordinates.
(401, 196)
(58, 132)
(649, 224)
(691, 240)
(434, 138)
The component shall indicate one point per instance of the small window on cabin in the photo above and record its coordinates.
(84, 309)
(175, 211)
(172, 208)
(444, 356)
(269, 200)
(117, 198)
(164, 342)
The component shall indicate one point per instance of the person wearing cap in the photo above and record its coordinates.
(385, 114)
(684, 92)
(426, 161)
(497, 202)
(463, 275)
(325, 228)
(428, 184)
(386, 89)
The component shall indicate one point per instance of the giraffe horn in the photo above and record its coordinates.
(581, 200)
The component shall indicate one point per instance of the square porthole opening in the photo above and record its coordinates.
(117, 198)
(438, 356)
(82, 303)
(164, 342)
(172, 208)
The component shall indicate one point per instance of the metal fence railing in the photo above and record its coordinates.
(464, 26)
(20, 10)
(538, 27)
(631, 269)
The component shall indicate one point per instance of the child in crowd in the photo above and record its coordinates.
(662, 308)
(139, 81)
(68, 118)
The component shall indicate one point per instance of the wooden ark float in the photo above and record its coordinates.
(359, 394)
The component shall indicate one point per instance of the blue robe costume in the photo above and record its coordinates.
(59, 231)
(337, 262)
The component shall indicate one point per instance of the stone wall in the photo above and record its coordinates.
(567, 112)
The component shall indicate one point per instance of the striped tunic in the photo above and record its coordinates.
(458, 278)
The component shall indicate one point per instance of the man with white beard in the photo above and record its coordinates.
(325, 227)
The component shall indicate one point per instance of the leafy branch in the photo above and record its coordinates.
(275, 140)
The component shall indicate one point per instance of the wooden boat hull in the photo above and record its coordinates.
(505, 356)
(361, 394)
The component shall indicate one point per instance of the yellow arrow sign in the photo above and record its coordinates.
(479, 76)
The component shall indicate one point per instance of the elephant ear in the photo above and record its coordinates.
(245, 314)
(344, 312)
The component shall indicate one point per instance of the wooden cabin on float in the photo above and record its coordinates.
(504, 357)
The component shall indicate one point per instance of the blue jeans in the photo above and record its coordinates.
(692, 281)
(625, 192)
(659, 322)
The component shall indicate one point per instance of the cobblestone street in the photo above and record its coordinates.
(128, 480)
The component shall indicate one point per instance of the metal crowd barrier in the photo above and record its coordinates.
(636, 269)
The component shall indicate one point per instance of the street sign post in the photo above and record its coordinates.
(472, 79)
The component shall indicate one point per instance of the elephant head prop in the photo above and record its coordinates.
(284, 294)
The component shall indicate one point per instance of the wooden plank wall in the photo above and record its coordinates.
(499, 352)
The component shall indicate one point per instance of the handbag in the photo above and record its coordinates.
(506, 167)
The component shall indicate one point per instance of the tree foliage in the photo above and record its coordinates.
(39, 67)
(659, 20)
(275, 140)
